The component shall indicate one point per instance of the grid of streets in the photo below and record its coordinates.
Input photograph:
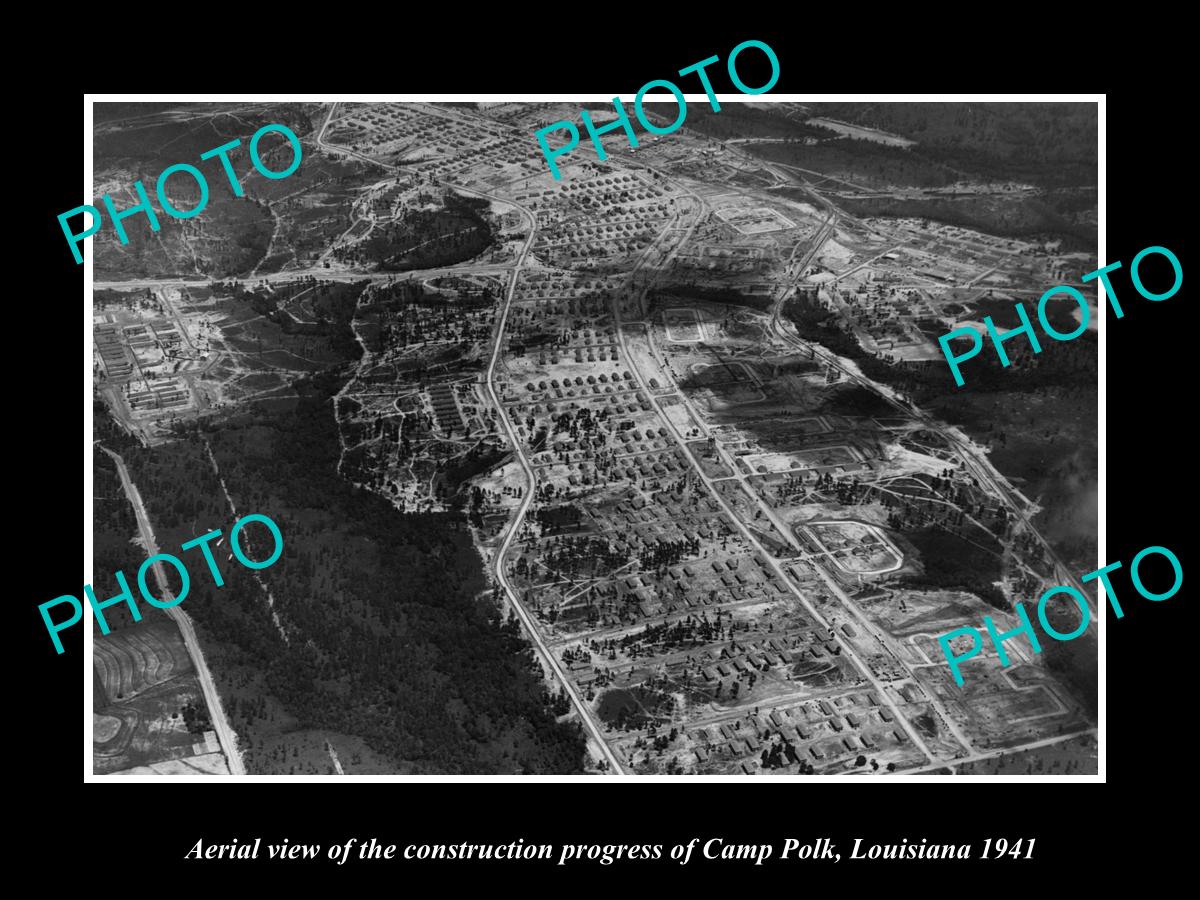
(697, 513)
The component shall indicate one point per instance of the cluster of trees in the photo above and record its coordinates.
(662, 741)
(581, 420)
(328, 335)
(581, 555)
(629, 709)
(689, 632)
(456, 471)
(558, 703)
(113, 522)
(815, 322)
(425, 239)
(847, 492)
(1059, 366)
(951, 562)
(195, 717)
(944, 502)
(1016, 216)
(404, 313)
(697, 289)
(390, 635)
(556, 518)
(667, 553)
(576, 655)
(1047, 144)
(783, 753)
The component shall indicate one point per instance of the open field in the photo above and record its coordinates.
(148, 709)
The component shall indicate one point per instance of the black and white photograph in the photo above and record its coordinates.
(506, 439)
(552, 449)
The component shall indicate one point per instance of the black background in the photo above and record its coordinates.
(1150, 365)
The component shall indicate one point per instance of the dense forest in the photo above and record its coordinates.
(114, 527)
(738, 120)
(375, 628)
(322, 320)
(862, 163)
(426, 238)
(1052, 146)
(385, 629)
(670, 293)
(950, 562)
(1009, 216)
(1045, 144)
(1060, 364)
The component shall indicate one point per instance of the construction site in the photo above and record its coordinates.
(688, 404)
